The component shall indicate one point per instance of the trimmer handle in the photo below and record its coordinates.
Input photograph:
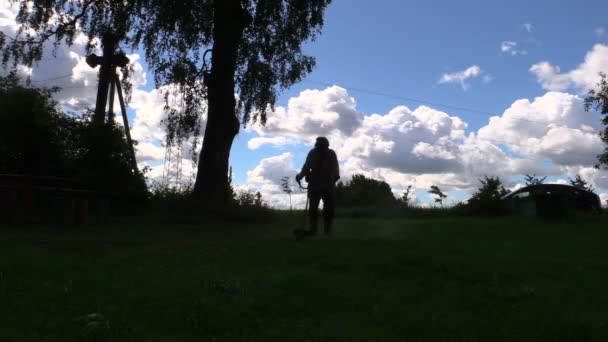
(299, 181)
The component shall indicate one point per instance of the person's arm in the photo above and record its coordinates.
(305, 168)
(336, 167)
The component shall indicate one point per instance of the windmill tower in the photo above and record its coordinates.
(109, 80)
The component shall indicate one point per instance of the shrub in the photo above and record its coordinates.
(488, 198)
(361, 191)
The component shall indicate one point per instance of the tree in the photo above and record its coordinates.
(580, 183)
(488, 198)
(598, 99)
(37, 138)
(406, 198)
(439, 195)
(362, 191)
(491, 188)
(286, 188)
(534, 180)
(249, 199)
(255, 48)
(231, 192)
(31, 126)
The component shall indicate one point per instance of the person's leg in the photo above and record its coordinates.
(313, 210)
(328, 210)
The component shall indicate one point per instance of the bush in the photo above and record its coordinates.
(36, 138)
(361, 191)
(488, 198)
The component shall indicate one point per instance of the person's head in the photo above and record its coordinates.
(322, 143)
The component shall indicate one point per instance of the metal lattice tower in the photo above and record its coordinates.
(172, 171)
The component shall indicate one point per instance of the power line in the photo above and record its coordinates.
(53, 78)
(430, 103)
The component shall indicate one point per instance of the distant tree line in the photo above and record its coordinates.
(362, 191)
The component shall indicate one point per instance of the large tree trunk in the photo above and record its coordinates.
(211, 185)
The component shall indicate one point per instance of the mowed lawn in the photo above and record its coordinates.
(458, 279)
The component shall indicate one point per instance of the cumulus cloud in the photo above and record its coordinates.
(512, 49)
(148, 151)
(581, 79)
(149, 114)
(329, 112)
(420, 141)
(158, 173)
(64, 67)
(461, 77)
(270, 171)
(554, 126)
(267, 176)
(549, 135)
(257, 142)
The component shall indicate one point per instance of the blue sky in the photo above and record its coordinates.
(403, 48)
(517, 60)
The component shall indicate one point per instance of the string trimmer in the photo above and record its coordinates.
(301, 231)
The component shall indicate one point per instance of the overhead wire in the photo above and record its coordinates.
(431, 103)
(377, 93)
(470, 110)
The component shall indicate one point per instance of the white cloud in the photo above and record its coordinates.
(257, 142)
(528, 27)
(149, 113)
(554, 126)
(267, 176)
(65, 67)
(420, 141)
(511, 48)
(596, 177)
(329, 112)
(550, 135)
(461, 77)
(156, 174)
(582, 79)
(147, 152)
(270, 171)
(604, 199)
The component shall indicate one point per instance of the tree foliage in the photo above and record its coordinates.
(406, 197)
(491, 188)
(487, 200)
(534, 180)
(246, 198)
(598, 100)
(362, 191)
(580, 183)
(286, 187)
(174, 36)
(36, 138)
(256, 51)
(439, 196)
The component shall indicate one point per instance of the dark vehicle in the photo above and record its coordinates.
(552, 200)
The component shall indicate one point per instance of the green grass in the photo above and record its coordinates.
(448, 279)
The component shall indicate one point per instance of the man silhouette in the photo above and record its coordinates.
(321, 171)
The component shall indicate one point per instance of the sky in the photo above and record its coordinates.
(413, 93)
